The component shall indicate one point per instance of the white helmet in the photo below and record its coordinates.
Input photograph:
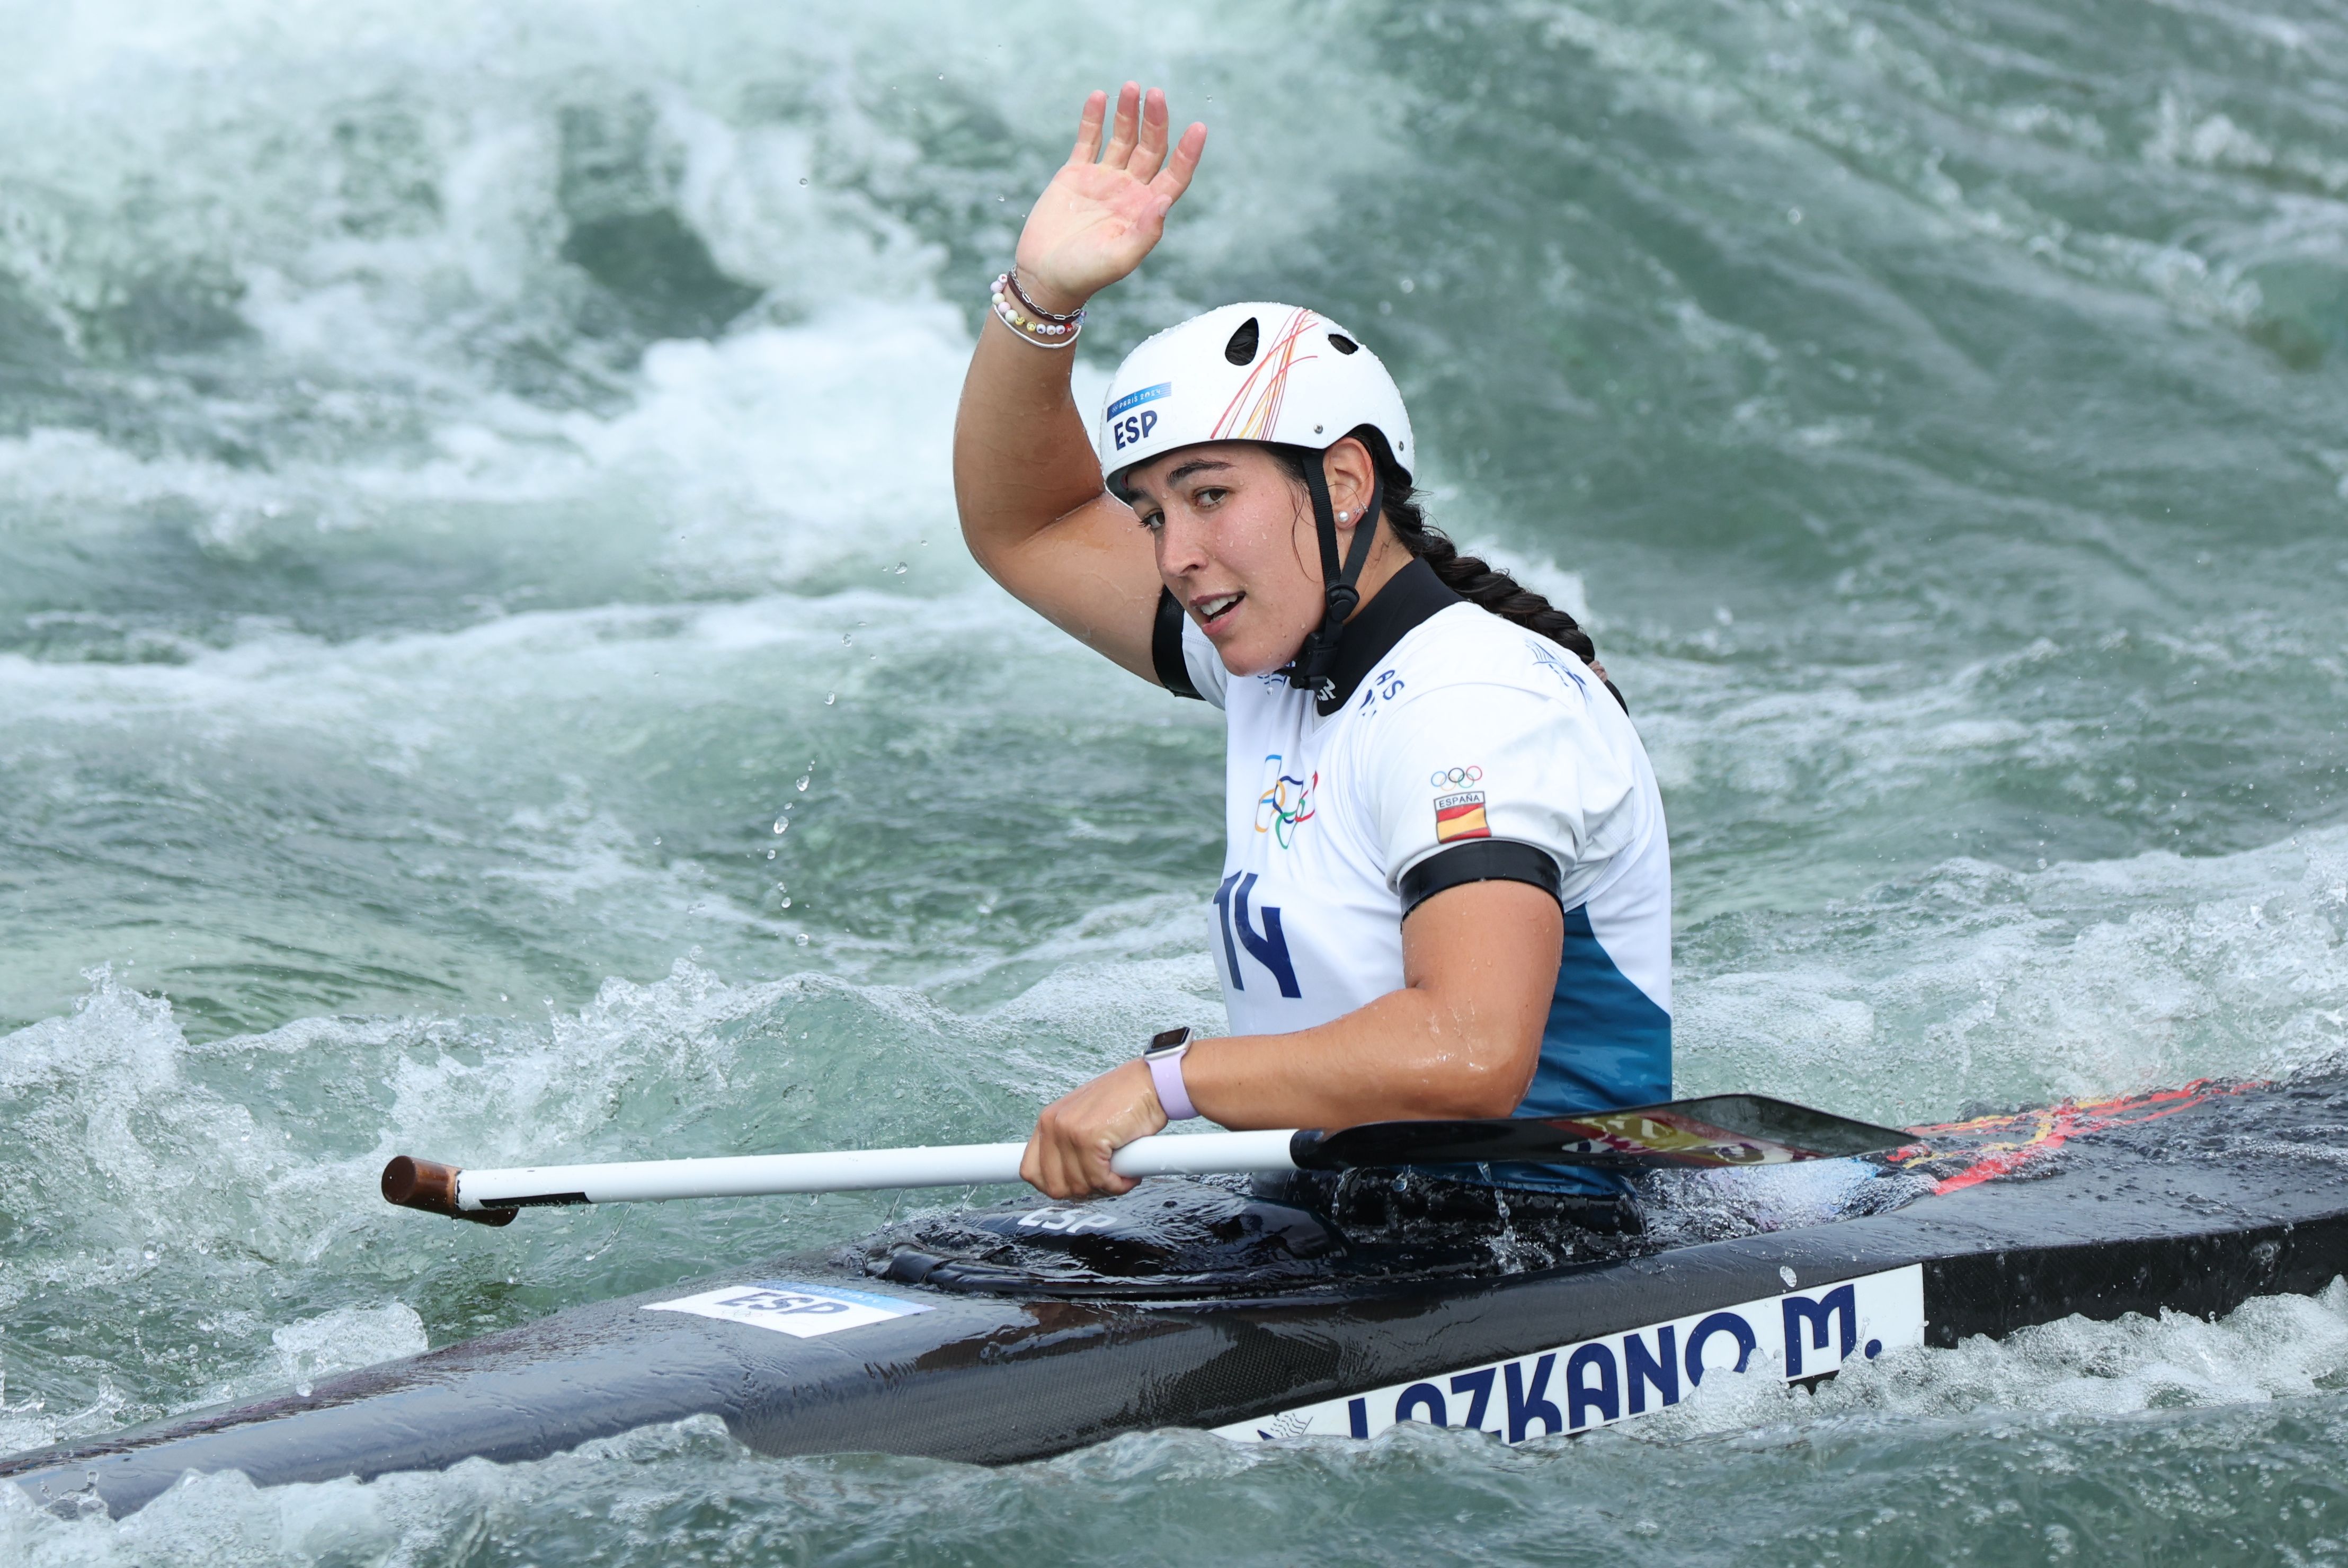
(1247, 373)
(1272, 372)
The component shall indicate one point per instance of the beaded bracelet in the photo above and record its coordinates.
(1042, 333)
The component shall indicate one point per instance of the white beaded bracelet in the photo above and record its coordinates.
(1042, 333)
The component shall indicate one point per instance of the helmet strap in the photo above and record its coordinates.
(1314, 667)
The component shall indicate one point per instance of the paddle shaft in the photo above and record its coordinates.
(1720, 1130)
(471, 1194)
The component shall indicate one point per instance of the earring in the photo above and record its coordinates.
(1344, 517)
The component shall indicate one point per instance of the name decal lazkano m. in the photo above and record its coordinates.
(1597, 1382)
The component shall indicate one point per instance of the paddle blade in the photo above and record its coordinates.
(1726, 1129)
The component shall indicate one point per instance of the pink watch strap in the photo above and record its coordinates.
(1165, 1072)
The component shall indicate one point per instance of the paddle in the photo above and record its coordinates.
(1727, 1130)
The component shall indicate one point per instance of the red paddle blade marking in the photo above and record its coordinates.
(2005, 1144)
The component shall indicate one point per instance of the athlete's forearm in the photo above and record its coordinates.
(1034, 512)
(1460, 1039)
(1412, 1055)
(1022, 458)
(1419, 1054)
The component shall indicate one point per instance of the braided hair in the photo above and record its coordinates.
(1474, 580)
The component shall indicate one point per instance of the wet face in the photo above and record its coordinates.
(1235, 543)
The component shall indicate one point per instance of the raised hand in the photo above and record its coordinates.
(1106, 210)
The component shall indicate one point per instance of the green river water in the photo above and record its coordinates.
(487, 668)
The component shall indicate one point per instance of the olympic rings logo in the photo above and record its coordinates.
(1443, 776)
(1278, 812)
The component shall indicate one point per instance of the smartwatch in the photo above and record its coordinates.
(1164, 1054)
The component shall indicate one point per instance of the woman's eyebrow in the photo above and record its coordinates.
(1195, 466)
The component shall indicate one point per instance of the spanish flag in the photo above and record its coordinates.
(1460, 817)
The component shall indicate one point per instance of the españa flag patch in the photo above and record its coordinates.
(1460, 817)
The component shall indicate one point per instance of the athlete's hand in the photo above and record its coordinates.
(1105, 210)
(1068, 1153)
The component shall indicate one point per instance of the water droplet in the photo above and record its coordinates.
(656, 841)
(803, 784)
(900, 569)
(802, 179)
(770, 854)
(1793, 214)
(829, 697)
(1409, 285)
(846, 638)
(782, 824)
(787, 903)
(304, 1389)
(803, 939)
(503, 998)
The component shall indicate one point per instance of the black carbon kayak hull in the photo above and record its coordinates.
(2214, 1205)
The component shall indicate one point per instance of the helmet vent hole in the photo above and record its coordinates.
(1343, 344)
(1240, 349)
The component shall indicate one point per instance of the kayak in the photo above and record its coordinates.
(1027, 1329)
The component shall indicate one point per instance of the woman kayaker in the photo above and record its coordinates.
(1447, 890)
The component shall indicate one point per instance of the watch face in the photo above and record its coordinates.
(1171, 1039)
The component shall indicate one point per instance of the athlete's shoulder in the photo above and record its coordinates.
(1466, 645)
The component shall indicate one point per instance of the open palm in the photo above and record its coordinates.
(1106, 209)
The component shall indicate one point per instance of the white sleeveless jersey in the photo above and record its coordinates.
(1455, 747)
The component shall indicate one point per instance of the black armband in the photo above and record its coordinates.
(1486, 860)
(1166, 648)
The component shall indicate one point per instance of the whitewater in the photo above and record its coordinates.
(488, 667)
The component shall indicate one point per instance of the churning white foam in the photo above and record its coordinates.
(344, 1340)
(1979, 984)
(2272, 1347)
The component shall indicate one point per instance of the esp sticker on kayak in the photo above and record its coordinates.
(1597, 1382)
(788, 1307)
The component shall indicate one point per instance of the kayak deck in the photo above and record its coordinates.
(2194, 1199)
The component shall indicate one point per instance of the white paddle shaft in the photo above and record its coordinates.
(856, 1169)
